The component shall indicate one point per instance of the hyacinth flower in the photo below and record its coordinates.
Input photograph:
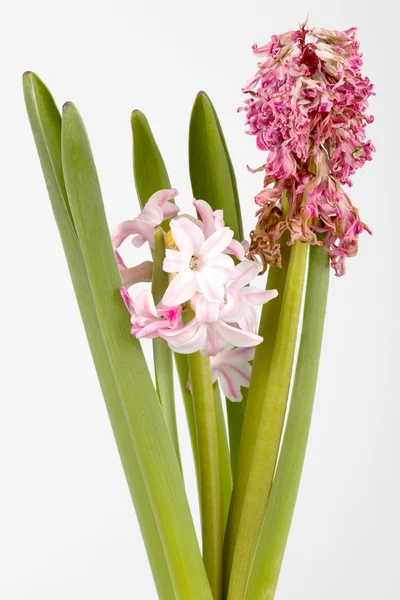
(198, 298)
(307, 106)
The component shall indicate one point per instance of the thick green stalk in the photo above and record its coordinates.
(155, 452)
(254, 405)
(224, 457)
(45, 121)
(210, 478)
(278, 516)
(182, 367)
(270, 426)
(163, 363)
(235, 413)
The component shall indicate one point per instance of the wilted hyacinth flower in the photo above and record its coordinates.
(307, 107)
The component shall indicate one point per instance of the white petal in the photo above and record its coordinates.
(176, 261)
(216, 243)
(188, 237)
(182, 288)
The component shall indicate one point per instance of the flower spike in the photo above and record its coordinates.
(307, 106)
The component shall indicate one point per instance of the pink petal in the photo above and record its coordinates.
(188, 237)
(214, 342)
(237, 249)
(238, 337)
(249, 320)
(153, 329)
(182, 288)
(176, 261)
(139, 240)
(211, 286)
(230, 386)
(245, 272)
(222, 266)
(206, 312)
(122, 231)
(170, 210)
(144, 305)
(216, 243)
(206, 215)
(235, 307)
(256, 296)
(142, 272)
(161, 197)
(127, 299)
(187, 339)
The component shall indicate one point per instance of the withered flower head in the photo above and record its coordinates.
(306, 106)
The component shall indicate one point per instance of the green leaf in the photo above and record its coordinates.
(213, 180)
(278, 516)
(211, 170)
(149, 169)
(161, 352)
(45, 121)
(154, 449)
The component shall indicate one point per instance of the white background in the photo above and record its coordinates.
(67, 526)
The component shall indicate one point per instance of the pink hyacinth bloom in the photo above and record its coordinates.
(231, 367)
(199, 264)
(241, 298)
(214, 220)
(217, 325)
(149, 320)
(157, 209)
(307, 106)
(131, 275)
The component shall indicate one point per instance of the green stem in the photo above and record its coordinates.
(254, 405)
(182, 367)
(278, 517)
(224, 457)
(163, 363)
(210, 478)
(235, 413)
(163, 367)
(269, 430)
